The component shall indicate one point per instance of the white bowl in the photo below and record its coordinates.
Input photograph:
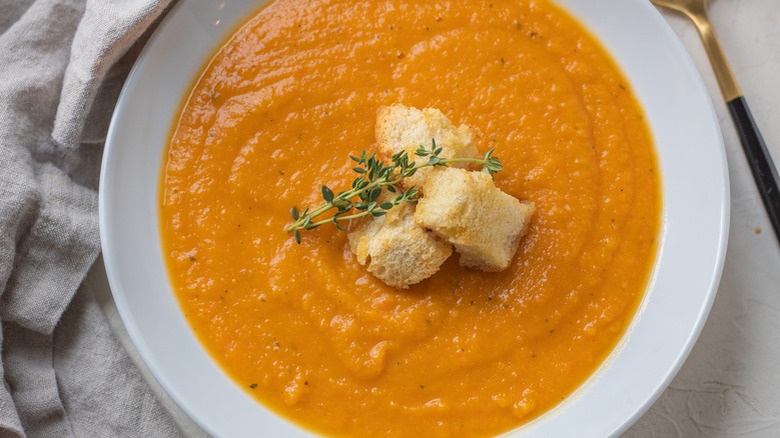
(685, 277)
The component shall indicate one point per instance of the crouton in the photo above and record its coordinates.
(401, 128)
(396, 250)
(466, 208)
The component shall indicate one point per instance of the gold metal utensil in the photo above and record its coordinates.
(764, 171)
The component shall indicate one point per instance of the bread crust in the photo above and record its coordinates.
(468, 210)
(396, 250)
(403, 128)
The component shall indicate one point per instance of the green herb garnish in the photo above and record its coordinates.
(373, 176)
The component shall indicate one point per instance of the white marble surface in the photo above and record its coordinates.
(730, 384)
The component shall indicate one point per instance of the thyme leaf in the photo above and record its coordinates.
(375, 175)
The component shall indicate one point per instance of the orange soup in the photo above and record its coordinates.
(304, 328)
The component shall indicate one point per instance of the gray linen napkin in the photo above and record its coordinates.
(62, 64)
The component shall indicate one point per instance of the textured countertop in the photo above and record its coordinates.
(730, 384)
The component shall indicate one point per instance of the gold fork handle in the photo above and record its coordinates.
(726, 81)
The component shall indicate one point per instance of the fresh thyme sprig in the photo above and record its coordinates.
(373, 176)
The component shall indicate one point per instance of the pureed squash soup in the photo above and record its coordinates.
(304, 328)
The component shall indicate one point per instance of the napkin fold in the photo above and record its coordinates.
(62, 64)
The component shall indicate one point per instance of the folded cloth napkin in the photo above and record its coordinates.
(62, 63)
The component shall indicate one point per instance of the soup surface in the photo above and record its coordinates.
(304, 328)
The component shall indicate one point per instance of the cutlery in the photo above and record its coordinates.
(761, 165)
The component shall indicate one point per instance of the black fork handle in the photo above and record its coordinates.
(764, 170)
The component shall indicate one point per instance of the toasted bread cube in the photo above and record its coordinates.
(401, 128)
(466, 208)
(396, 250)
